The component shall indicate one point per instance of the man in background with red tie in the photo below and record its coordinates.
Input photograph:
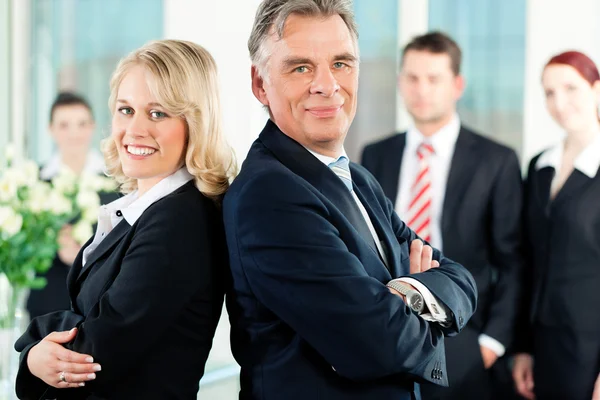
(462, 193)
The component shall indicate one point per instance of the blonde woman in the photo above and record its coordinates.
(147, 289)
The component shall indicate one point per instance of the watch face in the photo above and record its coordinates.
(416, 302)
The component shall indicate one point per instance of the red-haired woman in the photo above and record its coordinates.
(560, 338)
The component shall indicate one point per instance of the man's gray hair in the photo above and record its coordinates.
(274, 13)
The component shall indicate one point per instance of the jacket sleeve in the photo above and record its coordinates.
(28, 386)
(507, 256)
(450, 283)
(523, 330)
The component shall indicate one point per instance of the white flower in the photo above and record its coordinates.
(8, 190)
(31, 172)
(88, 181)
(16, 176)
(108, 184)
(58, 204)
(38, 197)
(87, 199)
(82, 231)
(10, 222)
(96, 183)
(65, 181)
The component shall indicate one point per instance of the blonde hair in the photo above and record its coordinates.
(185, 83)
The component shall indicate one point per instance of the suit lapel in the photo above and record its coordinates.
(575, 185)
(377, 216)
(75, 270)
(302, 163)
(107, 244)
(464, 161)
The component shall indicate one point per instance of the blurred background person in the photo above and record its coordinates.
(72, 129)
(147, 290)
(462, 193)
(560, 332)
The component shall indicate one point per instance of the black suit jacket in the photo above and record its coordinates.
(481, 220)
(311, 315)
(146, 304)
(563, 238)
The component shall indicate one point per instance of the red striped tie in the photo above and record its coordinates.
(419, 209)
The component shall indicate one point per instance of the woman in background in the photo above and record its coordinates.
(72, 128)
(147, 290)
(559, 339)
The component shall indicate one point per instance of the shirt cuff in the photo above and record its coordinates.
(437, 311)
(492, 344)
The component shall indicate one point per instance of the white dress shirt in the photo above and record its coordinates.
(441, 314)
(443, 143)
(131, 207)
(94, 164)
(587, 162)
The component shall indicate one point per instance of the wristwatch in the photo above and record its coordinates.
(414, 299)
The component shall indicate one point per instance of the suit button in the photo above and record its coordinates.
(441, 374)
(433, 374)
(460, 321)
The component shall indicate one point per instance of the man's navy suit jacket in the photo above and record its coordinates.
(311, 315)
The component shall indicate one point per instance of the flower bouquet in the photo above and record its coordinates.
(32, 213)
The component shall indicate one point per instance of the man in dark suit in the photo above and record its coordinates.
(313, 241)
(462, 192)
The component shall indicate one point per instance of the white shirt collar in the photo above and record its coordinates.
(326, 159)
(94, 164)
(132, 206)
(587, 162)
(443, 141)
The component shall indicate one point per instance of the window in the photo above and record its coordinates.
(491, 35)
(75, 45)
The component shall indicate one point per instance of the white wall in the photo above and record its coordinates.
(19, 70)
(413, 20)
(223, 28)
(5, 113)
(553, 26)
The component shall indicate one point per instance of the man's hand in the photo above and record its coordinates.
(523, 375)
(596, 395)
(420, 261)
(58, 367)
(421, 257)
(488, 356)
(68, 248)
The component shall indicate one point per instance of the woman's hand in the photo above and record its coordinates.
(59, 367)
(523, 375)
